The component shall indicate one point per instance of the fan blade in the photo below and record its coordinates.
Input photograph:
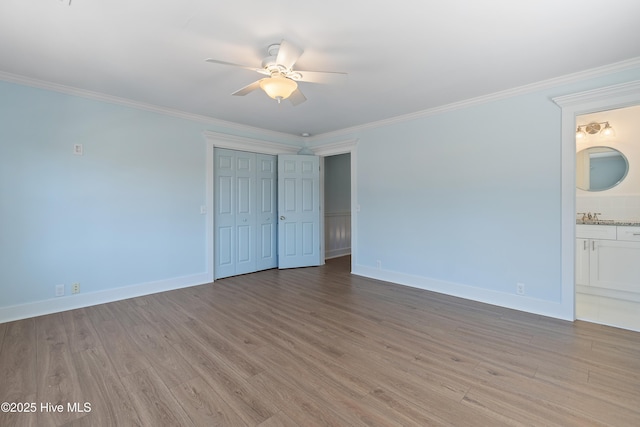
(297, 97)
(330, 77)
(215, 61)
(247, 89)
(288, 54)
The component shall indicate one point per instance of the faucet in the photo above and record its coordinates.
(588, 216)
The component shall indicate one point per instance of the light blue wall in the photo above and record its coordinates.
(337, 183)
(470, 197)
(125, 213)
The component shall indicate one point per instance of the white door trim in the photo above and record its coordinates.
(607, 98)
(341, 147)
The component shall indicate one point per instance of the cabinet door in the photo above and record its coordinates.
(582, 261)
(615, 265)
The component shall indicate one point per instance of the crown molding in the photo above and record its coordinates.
(628, 89)
(333, 148)
(97, 96)
(521, 90)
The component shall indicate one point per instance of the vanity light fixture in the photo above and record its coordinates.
(593, 128)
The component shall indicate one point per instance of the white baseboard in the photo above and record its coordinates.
(336, 253)
(516, 302)
(70, 302)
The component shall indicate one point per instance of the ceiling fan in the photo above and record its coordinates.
(282, 80)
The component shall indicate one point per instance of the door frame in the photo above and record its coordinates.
(348, 146)
(222, 140)
(591, 101)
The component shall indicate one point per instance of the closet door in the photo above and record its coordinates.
(245, 212)
(235, 213)
(246, 215)
(267, 238)
(224, 217)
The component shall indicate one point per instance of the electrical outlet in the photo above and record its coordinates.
(59, 290)
(75, 288)
(520, 288)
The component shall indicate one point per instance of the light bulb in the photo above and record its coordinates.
(580, 134)
(608, 131)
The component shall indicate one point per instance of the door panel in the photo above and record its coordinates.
(267, 239)
(298, 211)
(246, 215)
(225, 239)
(235, 213)
(225, 246)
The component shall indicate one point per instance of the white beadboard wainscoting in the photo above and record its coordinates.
(337, 235)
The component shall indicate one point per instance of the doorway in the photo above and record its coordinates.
(607, 270)
(601, 99)
(337, 205)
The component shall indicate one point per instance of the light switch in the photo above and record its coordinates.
(78, 149)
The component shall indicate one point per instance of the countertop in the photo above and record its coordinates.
(609, 222)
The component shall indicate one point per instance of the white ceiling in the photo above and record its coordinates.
(402, 56)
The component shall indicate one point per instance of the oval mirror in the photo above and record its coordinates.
(600, 168)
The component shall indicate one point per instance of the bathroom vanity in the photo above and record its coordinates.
(608, 273)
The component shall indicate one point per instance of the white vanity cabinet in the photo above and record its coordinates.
(588, 239)
(582, 261)
(608, 275)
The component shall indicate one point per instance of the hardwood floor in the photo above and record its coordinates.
(316, 346)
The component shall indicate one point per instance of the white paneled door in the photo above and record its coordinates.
(267, 207)
(298, 211)
(245, 212)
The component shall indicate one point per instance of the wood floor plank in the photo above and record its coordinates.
(168, 363)
(101, 387)
(57, 378)
(80, 331)
(125, 354)
(318, 346)
(297, 403)
(204, 406)
(18, 371)
(227, 382)
(323, 386)
(153, 401)
(558, 404)
(3, 329)
(224, 348)
(279, 420)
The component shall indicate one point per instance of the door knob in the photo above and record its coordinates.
(282, 218)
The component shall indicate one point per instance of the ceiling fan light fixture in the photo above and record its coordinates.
(278, 87)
